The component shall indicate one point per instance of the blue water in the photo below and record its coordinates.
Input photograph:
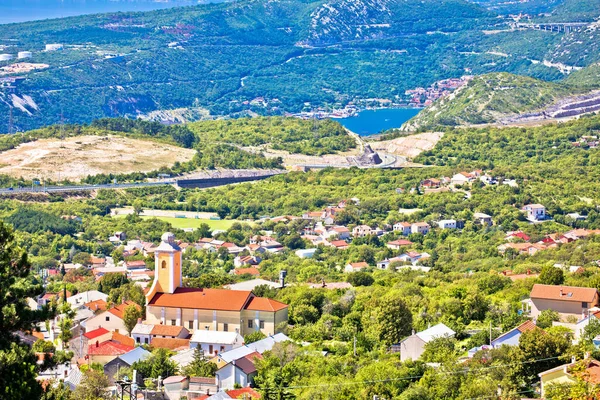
(371, 122)
(32, 10)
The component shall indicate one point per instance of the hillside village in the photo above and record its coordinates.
(230, 327)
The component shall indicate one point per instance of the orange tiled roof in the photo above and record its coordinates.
(265, 304)
(96, 305)
(564, 293)
(252, 271)
(526, 326)
(240, 393)
(170, 343)
(126, 340)
(166, 330)
(203, 299)
(119, 310)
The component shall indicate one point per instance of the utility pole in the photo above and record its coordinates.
(490, 333)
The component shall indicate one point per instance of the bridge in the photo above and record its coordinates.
(565, 27)
(202, 180)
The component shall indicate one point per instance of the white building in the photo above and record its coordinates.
(6, 57)
(24, 54)
(403, 227)
(413, 346)
(82, 298)
(215, 342)
(54, 47)
(420, 227)
(535, 212)
(447, 224)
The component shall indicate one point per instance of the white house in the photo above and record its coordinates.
(238, 372)
(355, 267)
(462, 178)
(80, 299)
(403, 227)
(535, 212)
(362, 230)
(111, 320)
(447, 224)
(413, 346)
(420, 227)
(306, 253)
(483, 219)
(214, 342)
(141, 333)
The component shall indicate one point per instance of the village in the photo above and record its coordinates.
(216, 324)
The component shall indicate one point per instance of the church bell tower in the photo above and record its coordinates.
(167, 267)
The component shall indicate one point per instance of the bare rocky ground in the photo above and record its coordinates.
(77, 157)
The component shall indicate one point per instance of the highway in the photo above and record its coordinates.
(56, 189)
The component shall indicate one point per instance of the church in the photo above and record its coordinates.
(169, 303)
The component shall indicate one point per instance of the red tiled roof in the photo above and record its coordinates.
(170, 343)
(95, 333)
(109, 348)
(119, 310)
(241, 271)
(135, 263)
(239, 393)
(203, 299)
(361, 264)
(564, 293)
(265, 304)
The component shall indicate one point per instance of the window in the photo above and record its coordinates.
(222, 349)
(225, 328)
(146, 340)
(262, 324)
(210, 348)
(190, 324)
(137, 339)
(164, 264)
(584, 305)
(173, 322)
(250, 324)
(107, 318)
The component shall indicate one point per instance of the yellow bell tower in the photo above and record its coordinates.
(167, 267)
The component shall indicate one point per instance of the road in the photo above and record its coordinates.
(56, 189)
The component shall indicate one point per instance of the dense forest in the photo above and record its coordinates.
(268, 58)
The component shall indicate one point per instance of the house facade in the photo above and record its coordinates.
(566, 300)
(413, 346)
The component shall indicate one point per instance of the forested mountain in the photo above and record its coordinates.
(265, 57)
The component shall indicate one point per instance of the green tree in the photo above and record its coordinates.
(57, 391)
(17, 362)
(254, 337)
(440, 350)
(394, 319)
(360, 278)
(546, 318)
(130, 317)
(93, 386)
(83, 258)
(551, 275)
(112, 280)
(200, 365)
(65, 325)
(138, 206)
(158, 364)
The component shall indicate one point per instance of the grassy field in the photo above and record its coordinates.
(184, 223)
